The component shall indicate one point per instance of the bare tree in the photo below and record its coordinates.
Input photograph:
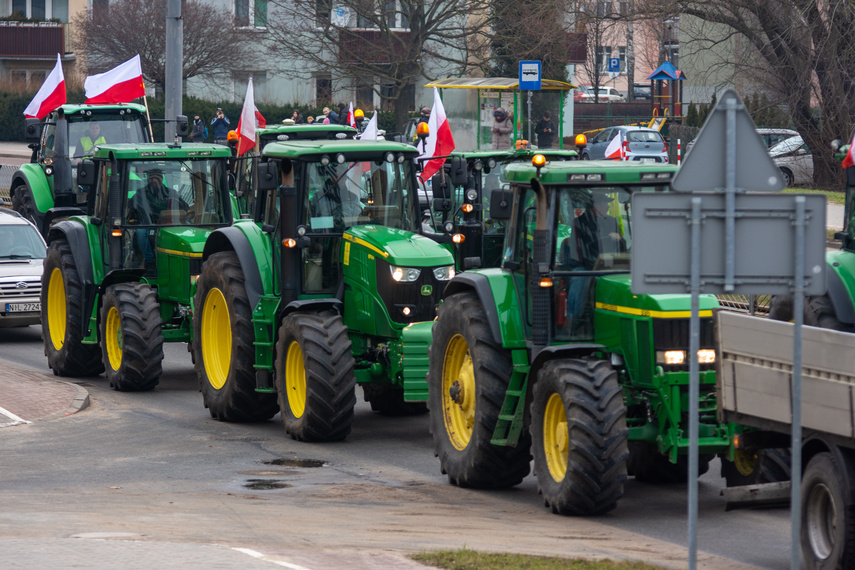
(600, 19)
(799, 52)
(531, 30)
(111, 34)
(387, 45)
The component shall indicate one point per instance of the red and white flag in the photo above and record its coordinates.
(615, 149)
(50, 96)
(122, 84)
(439, 142)
(250, 118)
(351, 119)
(849, 159)
(371, 131)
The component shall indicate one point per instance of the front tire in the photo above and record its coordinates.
(223, 350)
(62, 316)
(819, 312)
(828, 516)
(579, 436)
(131, 337)
(315, 377)
(24, 203)
(467, 383)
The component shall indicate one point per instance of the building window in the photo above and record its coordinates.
(393, 12)
(603, 55)
(621, 50)
(623, 7)
(251, 13)
(100, 8)
(40, 9)
(673, 55)
(604, 8)
(365, 96)
(323, 89)
(322, 12)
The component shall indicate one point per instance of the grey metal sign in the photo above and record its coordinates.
(764, 243)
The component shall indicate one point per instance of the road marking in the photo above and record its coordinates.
(15, 419)
(256, 554)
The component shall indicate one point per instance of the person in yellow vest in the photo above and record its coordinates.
(89, 140)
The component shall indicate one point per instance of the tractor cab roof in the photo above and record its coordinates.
(589, 172)
(520, 154)
(305, 132)
(82, 112)
(161, 151)
(351, 150)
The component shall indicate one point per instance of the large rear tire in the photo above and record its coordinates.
(131, 337)
(579, 436)
(467, 382)
(781, 308)
(62, 316)
(223, 350)
(828, 513)
(752, 468)
(315, 377)
(819, 312)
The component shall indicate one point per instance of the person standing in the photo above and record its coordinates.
(545, 131)
(198, 134)
(502, 127)
(342, 114)
(331, 115)
(220, 124)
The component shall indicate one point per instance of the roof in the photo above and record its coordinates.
(498, 83)
(667, 72)
(613, 172)
(352, 149)
(305, 128)
(162, 151)
(522, 154)
(76, 109)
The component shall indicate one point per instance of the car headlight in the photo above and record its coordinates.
(405, 274)
(443, 273)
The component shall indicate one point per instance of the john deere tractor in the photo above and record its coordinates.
(552, 355)
(117, 279)
(47, 188)
(309, 300)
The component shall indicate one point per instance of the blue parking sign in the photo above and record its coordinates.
(614, 65)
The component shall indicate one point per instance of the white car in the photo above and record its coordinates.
(585, 94)
(795, 160)
(22, 254)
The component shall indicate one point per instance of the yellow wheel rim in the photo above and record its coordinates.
(745, 461)
(555, 437)
(458, 392)
(56, 309)
(295, 380)
(216, 338)
(113, 338)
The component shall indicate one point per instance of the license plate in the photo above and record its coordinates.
(647, 160)
(23, 307)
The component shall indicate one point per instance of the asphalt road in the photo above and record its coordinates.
(154, 467)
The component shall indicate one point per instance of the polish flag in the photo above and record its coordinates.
(615, 149)
(249, 116)
(351, 119)
(370, 132)
(849, 159)
(439, 142)
(122, 84)
(50, 96)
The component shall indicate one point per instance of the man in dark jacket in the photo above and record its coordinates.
(545, 131)
(197, 135)
(220, 124)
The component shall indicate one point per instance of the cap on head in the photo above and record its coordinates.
(426, 110)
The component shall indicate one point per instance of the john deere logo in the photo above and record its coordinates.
(427, 290)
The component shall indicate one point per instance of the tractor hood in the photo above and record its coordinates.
(614, 292)
(184, 241)
(399, 247)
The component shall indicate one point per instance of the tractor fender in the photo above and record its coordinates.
(313, 306)
(481, 286)
(33, 177)
(233, 239)
(75, 234)
(579, 350)
(840, 297)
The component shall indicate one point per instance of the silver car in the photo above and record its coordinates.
(22, 253)
(639, 144)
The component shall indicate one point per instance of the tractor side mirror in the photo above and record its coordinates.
(86, 173)
(500, 204)
(32, 129)
(182, 126)
(458, 171)
(440, 185)
(850, 176)
(268, 176)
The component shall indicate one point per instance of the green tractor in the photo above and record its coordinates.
(551, 353)
(46, 189)
(296, 308)
(117, 279)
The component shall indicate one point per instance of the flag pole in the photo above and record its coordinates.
(147, 115)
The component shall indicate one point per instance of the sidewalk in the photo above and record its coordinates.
(29, 396)
(14, 150)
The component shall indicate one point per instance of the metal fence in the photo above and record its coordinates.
(6, 171)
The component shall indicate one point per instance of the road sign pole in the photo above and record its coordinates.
(796, 444)
(731, 104)
(529, 118)
(694, 373)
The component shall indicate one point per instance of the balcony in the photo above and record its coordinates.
(577, 47)
(34, 40)
(369, 46)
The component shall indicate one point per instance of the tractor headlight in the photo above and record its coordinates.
(673, 357)
(405, 274)
(443, 273)
(706, 356)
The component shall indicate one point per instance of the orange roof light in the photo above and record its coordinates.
(232, 136)
(422, 129)
(581, 140)
(358, 114)
(538, 160)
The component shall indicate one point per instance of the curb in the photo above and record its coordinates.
(80, 402)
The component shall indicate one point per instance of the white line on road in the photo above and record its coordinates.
(256, 554)
(15, 419)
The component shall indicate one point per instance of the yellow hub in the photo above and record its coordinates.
(216, 338)
(556, 444)
(745, 461)
(113, 338)
(295, 380)
(458, 392)
(56, 309)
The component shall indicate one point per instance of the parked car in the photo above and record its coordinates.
(22, 253)
(641, 91)
(770, 137)
(585, 94)
(795, 160)
(639, 143)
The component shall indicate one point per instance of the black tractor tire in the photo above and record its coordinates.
(223, 351)
(753, 468)
(315, 376)
(579, 436)
(389, 401)
(62, 316)
(819, 312)
(467, 383)
(131, 337)
(781, 308)
(24, 203)
(650, 466)
(828, 512)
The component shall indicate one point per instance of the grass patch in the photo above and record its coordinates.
(830, 197)
(465, 559)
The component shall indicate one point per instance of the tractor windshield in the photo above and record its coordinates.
(176, 192)
(593, 229)
(84, 135)
(349, 194)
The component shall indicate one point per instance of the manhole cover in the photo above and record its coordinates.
(265, 484)
(295, 462)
